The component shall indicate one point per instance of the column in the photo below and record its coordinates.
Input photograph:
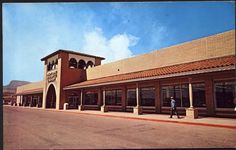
(190, 94)
(137, 110)
(191, 112)
(81, 100)
(137, 95)
(21, 100)
(104, 97)
(104, 107)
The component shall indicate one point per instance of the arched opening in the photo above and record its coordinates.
(89, 64)
(73, 63)
(51, 97)
(82, 64)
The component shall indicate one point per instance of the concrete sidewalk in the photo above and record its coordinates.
(202, 121)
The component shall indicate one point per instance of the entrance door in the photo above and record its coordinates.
(51, 97)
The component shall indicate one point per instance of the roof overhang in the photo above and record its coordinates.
(72, 52)
(154, 77)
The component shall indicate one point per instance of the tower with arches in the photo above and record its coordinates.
(63, 68)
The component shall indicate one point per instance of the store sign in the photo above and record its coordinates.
(51, 77)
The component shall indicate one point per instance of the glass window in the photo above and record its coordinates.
(73, 101)
(40, 102)
(147, 96)
(179, 92)
(185, 95)
(166, 93)
(34, 100)
(199, 99)
(131, 97)
(177, 95)
(91, 98)
(225, 94)
(113, 97)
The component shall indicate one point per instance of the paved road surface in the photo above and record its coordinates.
(26, 128)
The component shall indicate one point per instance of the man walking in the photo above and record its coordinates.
(173, 108)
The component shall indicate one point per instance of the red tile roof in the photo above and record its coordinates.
(187, 67)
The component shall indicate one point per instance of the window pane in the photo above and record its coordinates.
(185, 95)
(113, 97)
(179, 92)
(118, 97)
(91, 98)
(147, 96)
(166, 93)
(225, 94)
(199, 99)
(73, 101)
(109, 98)
(131, 97)
(177, 96)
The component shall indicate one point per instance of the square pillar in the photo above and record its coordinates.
(104, 107)
(137, 110)
(191, 113)
(65, 106)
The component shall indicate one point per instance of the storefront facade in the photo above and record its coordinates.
(199, 74)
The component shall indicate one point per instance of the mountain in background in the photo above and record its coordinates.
(11, 87)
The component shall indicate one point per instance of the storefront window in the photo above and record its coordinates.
(185, 95)
(113, 97)
(73, 101)
(225, 94)
(40, 102)
(131, 97)
(147, 96)
(166, 93)
(179, 92)
(34, 101)
(91, 98)
(199, 99)
(177, 95)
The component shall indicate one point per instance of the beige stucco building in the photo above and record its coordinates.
(199, 74)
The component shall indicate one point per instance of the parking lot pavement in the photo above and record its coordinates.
(26, 128)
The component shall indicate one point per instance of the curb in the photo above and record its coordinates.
(159, 120)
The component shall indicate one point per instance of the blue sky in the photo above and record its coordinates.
(114, 30)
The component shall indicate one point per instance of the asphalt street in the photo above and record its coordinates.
(26, 128)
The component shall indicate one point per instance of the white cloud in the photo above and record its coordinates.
(115, 48)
